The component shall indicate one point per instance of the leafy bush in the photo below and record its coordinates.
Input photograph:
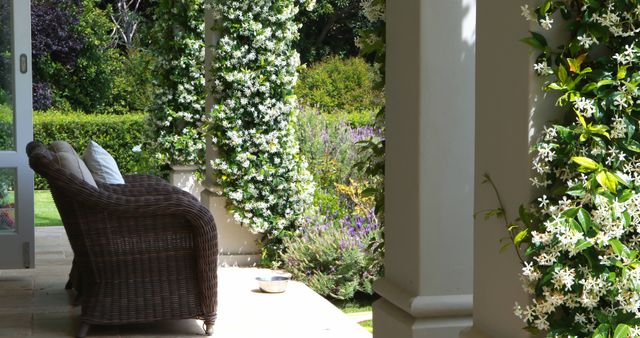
(133, 86)
(118, 134)
(336, 256)
(329, 29)
(55, 44)
(337, 85)
(329, 146)
(75, 65)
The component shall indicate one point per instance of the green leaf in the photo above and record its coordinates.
(607, 180)
(575, 225)
(627, 218)
(570, 213)
(625, 196)
(533, 43)
(602, 331)
(622, 331)
(604, 83)
(599, 129)
(619, 248)
(581, 119)
(589, 87)
(632, 145)
(586, 71)
(520, 236)
(524, 215)
(555, 86)
(586, 164)
(622, 72)
(585, 219)
(562, 74)
(582, 244)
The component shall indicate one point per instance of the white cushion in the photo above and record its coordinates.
(101, 164)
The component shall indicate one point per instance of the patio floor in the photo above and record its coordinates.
(34, 303)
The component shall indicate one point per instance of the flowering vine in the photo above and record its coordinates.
(177, 39)
(580, 240)
(252, 125)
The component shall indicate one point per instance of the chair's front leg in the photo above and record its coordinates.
(208, 326)
(83, 330)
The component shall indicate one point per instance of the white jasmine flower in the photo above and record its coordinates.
(526, 13)
(546, 22)
(586, 40)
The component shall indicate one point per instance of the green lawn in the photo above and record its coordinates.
(360, 303)
(367, 324)
(45, 210)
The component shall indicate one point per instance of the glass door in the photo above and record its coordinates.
(16, 130)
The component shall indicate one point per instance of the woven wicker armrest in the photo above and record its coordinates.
(140, 178)
(139, 189)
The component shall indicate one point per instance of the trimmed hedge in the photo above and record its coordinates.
(118, 134)
(337, 85)
(6, 127)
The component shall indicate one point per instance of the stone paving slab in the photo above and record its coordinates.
(33, 303)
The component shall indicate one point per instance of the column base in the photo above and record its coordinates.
(472, 332)
(237, 245)
(400, 314)
(229, 260)
(389, 321)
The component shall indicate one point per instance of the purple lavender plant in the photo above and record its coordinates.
(335, 254)
(364, 133)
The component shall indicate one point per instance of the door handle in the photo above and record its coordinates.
(23, 63)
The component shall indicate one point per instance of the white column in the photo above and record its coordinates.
(426, 291)
(184, 177)
(509, 111)
(237, 245)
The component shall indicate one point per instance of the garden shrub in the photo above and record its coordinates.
(336, 85)
(329, 29)
(55, 45)
(88, 85)
(329, 146)
(75, 65)
(336, 255)
(133, 87)
(118, 134)
(338, 250)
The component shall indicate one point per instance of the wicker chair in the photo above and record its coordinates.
(143, 251)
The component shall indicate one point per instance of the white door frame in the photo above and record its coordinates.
(17, 247)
